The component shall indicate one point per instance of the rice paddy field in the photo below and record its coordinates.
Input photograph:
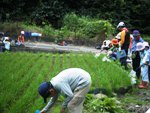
(22, 72)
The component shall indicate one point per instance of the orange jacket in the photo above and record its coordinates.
(123, 34)
(21, 38)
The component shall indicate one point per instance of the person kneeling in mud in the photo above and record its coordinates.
(74, 83)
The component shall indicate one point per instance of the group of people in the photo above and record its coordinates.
(6, 42)
(136, 49)
(74, 83)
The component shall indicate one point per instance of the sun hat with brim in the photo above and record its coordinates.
(44, 90)
(114, 41)
(140, 46)
(136, 33)
(146, 44)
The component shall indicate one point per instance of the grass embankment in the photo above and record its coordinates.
(21, 74)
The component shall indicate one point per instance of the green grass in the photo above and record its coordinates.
(146, 38)
(21, 74)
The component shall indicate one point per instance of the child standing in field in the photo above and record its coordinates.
(143, 64)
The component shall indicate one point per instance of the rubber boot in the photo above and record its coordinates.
(144, 85)
(141, 84)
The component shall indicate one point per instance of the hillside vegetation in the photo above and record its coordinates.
(75, 29)
(135, 13)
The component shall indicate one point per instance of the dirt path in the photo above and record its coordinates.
(55, 47)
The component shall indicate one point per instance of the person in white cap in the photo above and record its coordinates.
(144, 65)
(21, 38)
(124, 42)
(6, 42)
(73, 83)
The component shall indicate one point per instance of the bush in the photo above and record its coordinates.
(86, 26)
(105, 105)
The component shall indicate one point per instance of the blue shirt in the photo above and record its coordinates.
(134, 42)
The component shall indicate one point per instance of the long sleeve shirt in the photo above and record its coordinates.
(134, 43)
(21, 38)
(147, 57)
(143, 63)
(66, 82)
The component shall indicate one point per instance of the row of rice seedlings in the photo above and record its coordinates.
(11, 70)
(56, 69)
(43, 76)
(19, 107)
(20, 76)
(66, 61)
(117, 77)
(74, 60)
(7, 61)
(121, 78)
(37, 101)
(22, 83)
(7, 65)
(7, 76)
(93, 67)
(61, 60)
(6, 80)
(102, 74)
(16, 91)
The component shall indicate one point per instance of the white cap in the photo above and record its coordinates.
(118, 36)
(6, 38)
(146, 44)
(140, 46)
(121, 24)
(22, 32)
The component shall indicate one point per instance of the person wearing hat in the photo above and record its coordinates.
(147, 57)
(135, 54)
(113, 49)
(124, 41)
(106, 45)
(144, 65)
(21, 38)
(6, 42)
(74, 83)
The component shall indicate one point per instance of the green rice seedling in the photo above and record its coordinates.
(25, 96)
(23, 83)
(21, 86)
